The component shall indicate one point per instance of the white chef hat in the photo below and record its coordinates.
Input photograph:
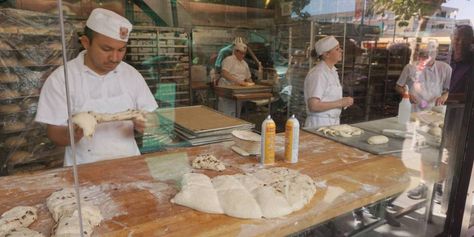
(110, 24)
(241, 47)
(325, 44)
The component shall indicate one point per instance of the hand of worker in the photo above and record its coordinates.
(139, 125)
(442, 99)
(413, 99)
(78, 133)
(346, 101)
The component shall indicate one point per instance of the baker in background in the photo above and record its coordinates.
(427, 79)
(235, 71)
(100, 82)
(322, 88)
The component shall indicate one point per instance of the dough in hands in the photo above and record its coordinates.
(89, 120)
(208, 161)
(377, 140)
(86, 121)
(20, 216)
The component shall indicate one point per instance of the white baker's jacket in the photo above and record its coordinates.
(239, 70)
(322, 82)
(121, 89)
(426, 84)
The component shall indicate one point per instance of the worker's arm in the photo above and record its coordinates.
(60, 134)
(231, 78)
(316, 105)
(442, 99)
(401, 90)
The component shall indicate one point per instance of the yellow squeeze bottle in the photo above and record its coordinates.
(267, 147)
(292, 136)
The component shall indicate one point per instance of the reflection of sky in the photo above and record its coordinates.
(329, 6)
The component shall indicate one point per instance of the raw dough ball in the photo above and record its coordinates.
(377, 140)
(208, 161)
(13, 142)
(20, 216)
(435, 131)
(8, 78)
(198, 185)
(9, 109)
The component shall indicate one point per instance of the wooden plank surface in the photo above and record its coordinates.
(134, 204)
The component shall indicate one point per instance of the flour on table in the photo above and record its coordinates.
(209, 162)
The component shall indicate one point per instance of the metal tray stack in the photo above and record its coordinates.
(199, 125)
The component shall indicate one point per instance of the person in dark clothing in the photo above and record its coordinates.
(462, 63)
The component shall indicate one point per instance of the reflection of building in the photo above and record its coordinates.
(440, 24)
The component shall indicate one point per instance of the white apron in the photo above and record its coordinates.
(329, 117)
(112, 139)
(425, 90)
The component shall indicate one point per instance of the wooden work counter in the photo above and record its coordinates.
(135, 204)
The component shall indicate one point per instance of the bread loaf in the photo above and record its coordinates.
(9, 109)
(8, 78)
(13, 142)
(13, 126)
(19, 157)
(9, 94)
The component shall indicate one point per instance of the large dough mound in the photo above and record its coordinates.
(266, 193)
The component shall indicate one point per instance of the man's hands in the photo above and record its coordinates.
(78, 133)
(139, 124)
(442, 99)
(346, 102)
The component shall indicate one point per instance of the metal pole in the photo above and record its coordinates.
(70, 126)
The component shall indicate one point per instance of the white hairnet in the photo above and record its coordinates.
(325, 44)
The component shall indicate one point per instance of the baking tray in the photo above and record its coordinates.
(394, 145)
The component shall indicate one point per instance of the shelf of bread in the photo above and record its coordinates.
(30, 49)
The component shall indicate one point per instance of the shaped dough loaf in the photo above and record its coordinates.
(235, 200)
(23, 232)
(20, 216)
(377, 140)
(198, 193)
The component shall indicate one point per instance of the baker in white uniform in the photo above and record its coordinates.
(235, 71)
(427, 79)
(100, 82)
(322, 89)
